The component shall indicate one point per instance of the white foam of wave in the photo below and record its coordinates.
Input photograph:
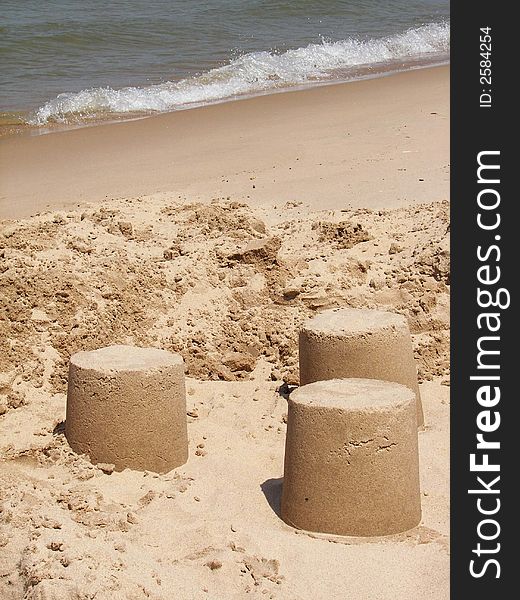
(251, 73)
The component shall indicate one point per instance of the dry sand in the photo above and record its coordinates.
(377, 144)
(191, 267)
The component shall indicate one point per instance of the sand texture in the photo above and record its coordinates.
(186, 278)
(126, 407)
(350, 342)
(351, 463)
(378, 144)
(215, 234)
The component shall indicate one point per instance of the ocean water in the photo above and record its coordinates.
(73, 61)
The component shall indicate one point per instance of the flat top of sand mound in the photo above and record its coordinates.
(353, 321)
(121, 357)
(346, 394)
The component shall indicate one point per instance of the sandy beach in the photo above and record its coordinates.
(378, 143)
(135, 233)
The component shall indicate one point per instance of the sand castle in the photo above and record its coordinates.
(345, 342)
(126, 406)
(351, 458)
(351, 454)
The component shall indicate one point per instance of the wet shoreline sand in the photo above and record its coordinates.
(377, 143)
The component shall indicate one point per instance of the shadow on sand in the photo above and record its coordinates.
(272, 490)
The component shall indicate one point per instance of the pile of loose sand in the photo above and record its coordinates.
(227, 287)
(220, 284)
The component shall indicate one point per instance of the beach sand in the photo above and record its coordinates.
(141, 239)
(377, 143)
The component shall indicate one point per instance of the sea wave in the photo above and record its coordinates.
(250, 74)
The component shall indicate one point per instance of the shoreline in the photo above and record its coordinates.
(14, 122)
(357, 144)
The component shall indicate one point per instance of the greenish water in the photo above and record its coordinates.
(73, 60)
